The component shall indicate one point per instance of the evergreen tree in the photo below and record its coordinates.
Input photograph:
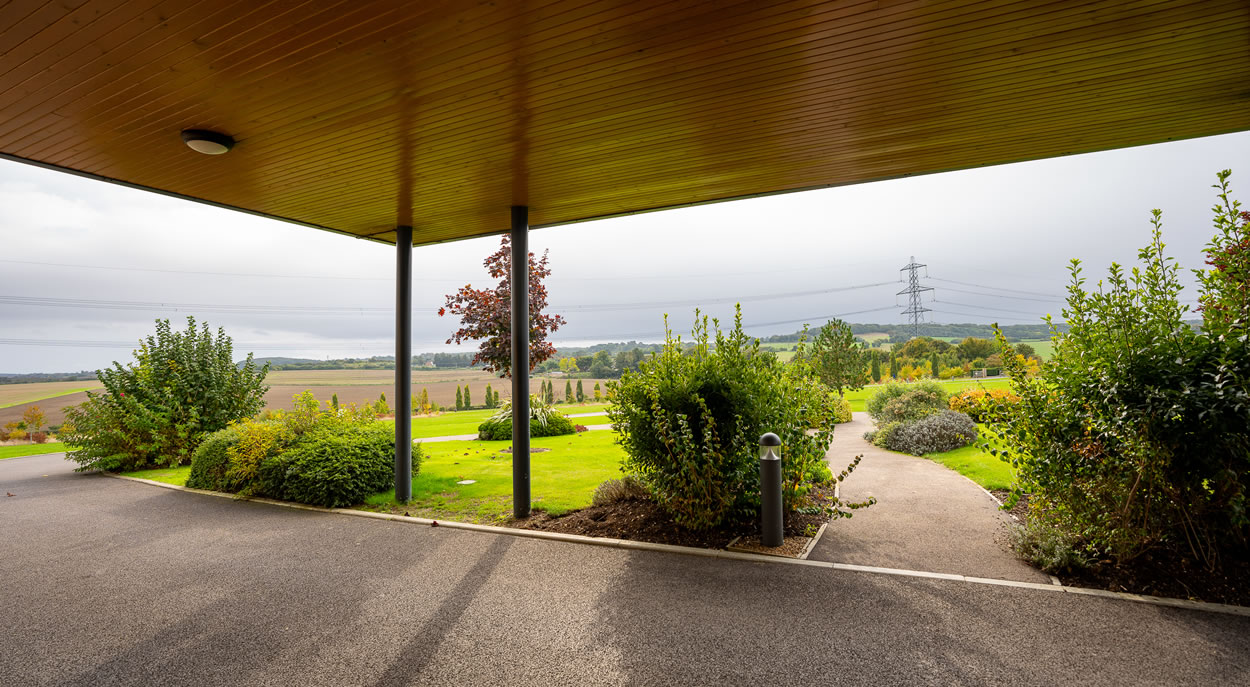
(468, 401)
(334, 402)
(895, 366)
(496, 399)
(581, 397)
(935, 364)
(876, 366)
(459, 399)
(490, 398)
(597, 393)
(425, 400)
(568, 392)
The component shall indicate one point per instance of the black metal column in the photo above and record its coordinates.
(403, 364)
(520, 362)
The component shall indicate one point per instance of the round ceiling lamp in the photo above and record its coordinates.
(207, 142)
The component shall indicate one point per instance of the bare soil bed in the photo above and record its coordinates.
(53, 408)
(638, 520)
(1171, 573)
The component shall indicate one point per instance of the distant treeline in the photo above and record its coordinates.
(900, 333)
(36, 377)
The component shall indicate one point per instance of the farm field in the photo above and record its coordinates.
(21, 394)
(1044, 347)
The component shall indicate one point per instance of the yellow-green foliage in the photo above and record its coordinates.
(258, 440)
(983, 405)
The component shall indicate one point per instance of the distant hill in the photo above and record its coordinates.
(36, 377)
(275, 361)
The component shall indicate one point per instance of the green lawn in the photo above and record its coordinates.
(30, 449)
(1044, 347)
(977, 465)
(561, 479)
(177, 476)
(859, 397)
(466, 421)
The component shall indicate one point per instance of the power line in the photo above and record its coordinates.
(608, 307)
(993, 288)
(1003, 295)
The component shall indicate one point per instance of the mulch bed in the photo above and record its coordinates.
(1168, 573)
(646, 521)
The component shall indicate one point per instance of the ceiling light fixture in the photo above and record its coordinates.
(207, 142)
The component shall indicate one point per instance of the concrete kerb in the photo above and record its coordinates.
(1204, 606)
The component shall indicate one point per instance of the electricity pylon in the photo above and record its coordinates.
(915, 310)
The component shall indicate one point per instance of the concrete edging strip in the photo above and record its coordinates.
(717, 553)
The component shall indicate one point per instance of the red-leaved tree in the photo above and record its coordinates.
(485, 314)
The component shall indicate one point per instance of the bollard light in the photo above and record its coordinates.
(772, 529)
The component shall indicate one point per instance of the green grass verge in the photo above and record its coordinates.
(30, 449)
(561, 479)
(986, 470)
(44, 397)
(176, 476)
(859, 397)
(466, 421)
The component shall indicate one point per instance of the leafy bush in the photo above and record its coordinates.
(334, 468)
(1048, 547)
(627, 488)
(1136, 434)
(841, 411)
(923, 394)
(156, 410)
(39, 437)
(690, 420)
(983, 404)
(945, 431)
(211, 459)
(545, 421)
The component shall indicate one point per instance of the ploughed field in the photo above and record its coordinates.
(352, 386)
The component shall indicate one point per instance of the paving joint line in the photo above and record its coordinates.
(1205, 606)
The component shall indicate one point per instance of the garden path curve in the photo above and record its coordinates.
(927, 517)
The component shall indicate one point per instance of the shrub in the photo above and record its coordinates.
(156, 410)
(950, 372)
(690, 420)
(627, 488)
(335, 468)
(889, 392)
(982, 405)
(1136, 434)
(911, 405)
(211, 459)
(39, 437)
(945, 431)
(841, 411)
(1048, 547)
(545, 421)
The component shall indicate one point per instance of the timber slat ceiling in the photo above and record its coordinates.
(357, 116)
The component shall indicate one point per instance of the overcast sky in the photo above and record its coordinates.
(1008, 230)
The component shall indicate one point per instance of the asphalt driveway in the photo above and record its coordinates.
(112, 582)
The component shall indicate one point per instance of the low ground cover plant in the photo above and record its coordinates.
(335, 457)
(156, 410)
(1135, 437)
(690, 420)
(545, 421)
(914, 418)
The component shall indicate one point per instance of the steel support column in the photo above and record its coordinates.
(403, 364)
(520, 363)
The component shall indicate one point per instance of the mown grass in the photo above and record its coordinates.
(561, 480)
(176, 476)
(859, 397)
(30, 449)
(970, 461)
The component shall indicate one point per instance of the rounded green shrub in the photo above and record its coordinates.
(841, 411)
(501, 430)
(211, 460)
(943, 431)
(335, 469)
(905, 402)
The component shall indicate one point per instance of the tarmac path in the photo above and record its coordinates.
(927, 516)
(110, 582)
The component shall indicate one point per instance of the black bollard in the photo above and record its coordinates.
(772, 527)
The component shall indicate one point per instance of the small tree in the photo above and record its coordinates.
(425, 401)
(837, 358)
(486, 316)
(34, 419)
(568, 392)
(876, 366)
(381, 408)
(598, 393)
(334, 402)
(490, 398)
(496, 399)
(895, 365)
(459, 399)
(580, 395)
(468, 398)
(935, 364)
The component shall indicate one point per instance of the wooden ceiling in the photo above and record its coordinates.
(358, 115)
